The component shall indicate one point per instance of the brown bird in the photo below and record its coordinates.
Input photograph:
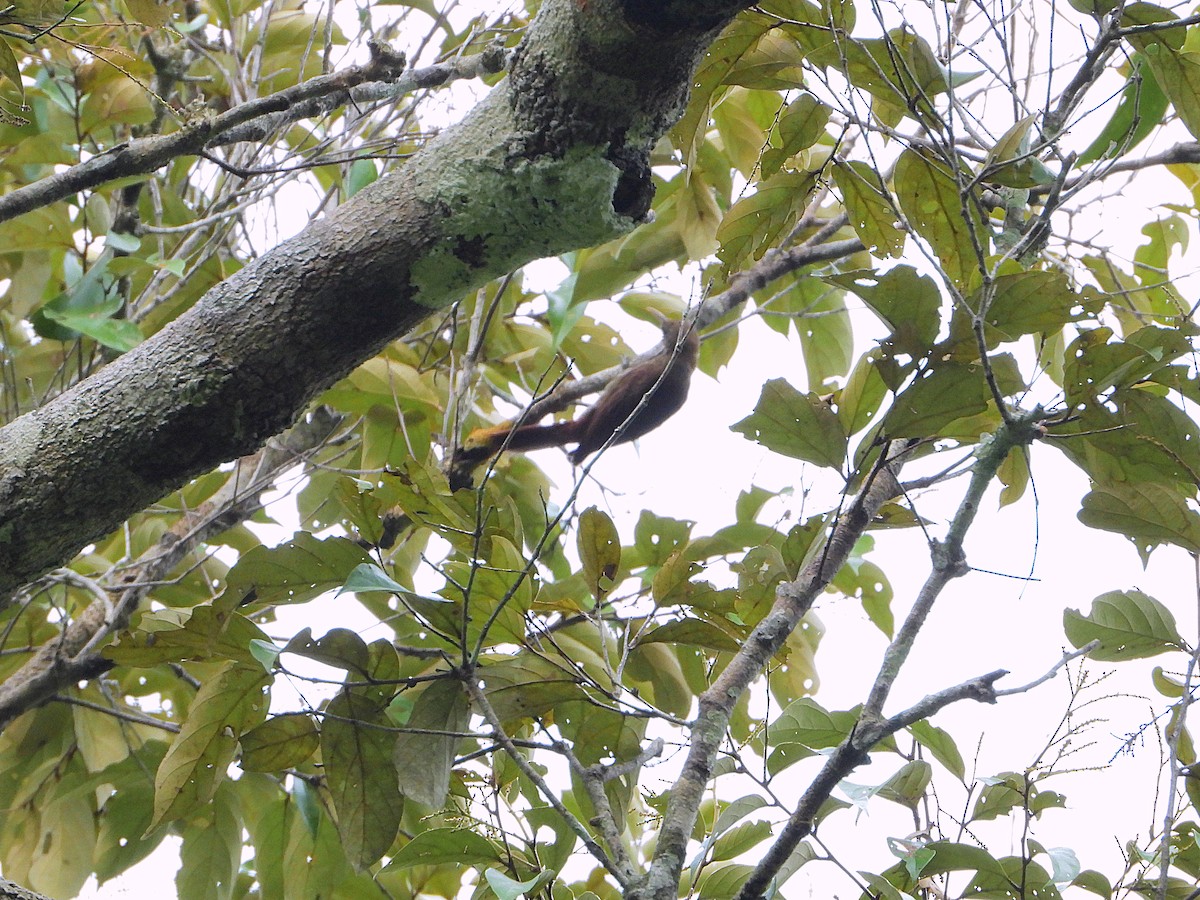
(633, 404)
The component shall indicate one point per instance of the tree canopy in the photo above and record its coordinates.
(268, 248)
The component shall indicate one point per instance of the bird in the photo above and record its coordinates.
(633, 404)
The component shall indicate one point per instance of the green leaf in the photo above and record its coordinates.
(123, 834)
(859, 401)
(941, 745)
(526, 686)
(1134, 14)
(907, 787)
(173, 636)
(755, 223)
(367, 577)
(228, 704)
(699, 216)
(825, 331)
(1097, 8)
(280, 743)
(1166, 685)
(805, 722)
(507, 888)
(122, 241)
(1147, 514)
(933, 199)
(437, 846)
(913, 854)
(1000, 795)
(740, 839)
(340, 648)
(936, 400)
(723, 881)
(356, 748)
(265, 652)
(907, 302)
(295, 571)
(211, 852)
(1033, 302)
(599, 550)
(11, 69)
(90, 307)
(882, 888)
(1128, 624)
(1008, 163)
(798, 127)
(798, 425)
(1178, 73)
(1095, 882)
(872, 210)
(423, 761)
(710, 80)
(362, 172)
(1065, 864)
(98, 324)
(1139, 112)
(693, 632)
(900, 71)
(951, 857)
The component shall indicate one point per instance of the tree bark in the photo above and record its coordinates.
(554, 159)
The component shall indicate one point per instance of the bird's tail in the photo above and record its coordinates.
(483, 442)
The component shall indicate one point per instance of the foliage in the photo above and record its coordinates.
(896, 206)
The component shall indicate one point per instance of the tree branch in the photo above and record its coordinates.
(247, 121)
(792, 600)
(949, 562)
(74, 655)
(555, 158)
(621, 873)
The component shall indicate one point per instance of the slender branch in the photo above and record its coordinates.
(1175, 730)
(123, 715)
(593, 779)
(484, 707)
(1054, 670)
(774, 264)
(383, 77)
(949, 562)
(792, 600)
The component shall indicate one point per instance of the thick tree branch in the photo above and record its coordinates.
(555, 158)
(74, 655)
